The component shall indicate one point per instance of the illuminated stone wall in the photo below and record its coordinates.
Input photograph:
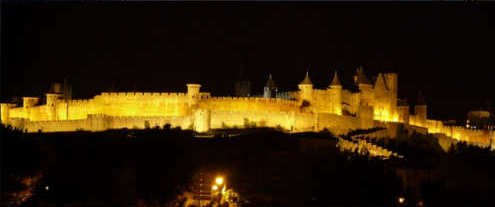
(238, 119)
(327, 101)
(460, 133)
(140, 110)
(140, 104)
(336, 109)
(385, 98)
(350, 101)
(248, 104)
(229, 111)
(101, 122)
(111, 104)
(337, 124)
(265, 112)
(5, 111)
(403, 114)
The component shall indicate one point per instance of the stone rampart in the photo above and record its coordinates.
(100, 122)
(250, 104)
(337, 124)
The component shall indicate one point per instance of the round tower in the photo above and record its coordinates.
(306, 89)
(421, 113)
(335, 90)
(202, 120)
(28, 102)
(421, 110)
(270, 90)
(365, 87)
(51, 105)
(52, 98)
(403, 111)
(392, 85)
(5, 112)
(360, 78)
(193, 93)
(193, 89)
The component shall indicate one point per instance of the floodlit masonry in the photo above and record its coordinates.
(308, 109)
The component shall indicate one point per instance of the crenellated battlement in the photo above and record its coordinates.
(79, 101)
(204, 95)
(141, 94)
(335, 108)
(254, 100)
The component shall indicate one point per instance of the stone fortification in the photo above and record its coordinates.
(336, 108)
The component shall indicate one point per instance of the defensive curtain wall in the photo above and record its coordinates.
(190, 111)
(371, 106)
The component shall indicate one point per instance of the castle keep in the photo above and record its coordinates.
(373, 104)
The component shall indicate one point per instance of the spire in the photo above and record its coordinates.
(307, 80)
(270, 83)
(360, 77)
(335, 80)
(381, 82)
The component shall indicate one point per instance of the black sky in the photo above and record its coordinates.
(445, 50)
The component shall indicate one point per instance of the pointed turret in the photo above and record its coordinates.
(242, 86)
(365, 87)
(421, 110)
(306, 88)
(360, 77)
(380, 82)
(270, 90)
(335, 92)
(307, 80)
(270, 83)
(335, 81)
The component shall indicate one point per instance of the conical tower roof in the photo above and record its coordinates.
(381, 82)
(307, 80)
(361, 77)
(335, 80)
(270, 83)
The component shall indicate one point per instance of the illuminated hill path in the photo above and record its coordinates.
(361, 146)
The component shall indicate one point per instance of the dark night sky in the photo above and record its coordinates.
(445, 50)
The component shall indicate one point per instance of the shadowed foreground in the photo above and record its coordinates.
(266, 167)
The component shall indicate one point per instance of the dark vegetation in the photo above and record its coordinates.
(462, 176)
(267, 167)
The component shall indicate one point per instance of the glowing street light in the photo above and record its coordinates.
(401, 200)
(219, 180)
(214, 187)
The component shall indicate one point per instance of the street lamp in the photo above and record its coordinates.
(401, 200)
(218, 189)
(219, 180)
